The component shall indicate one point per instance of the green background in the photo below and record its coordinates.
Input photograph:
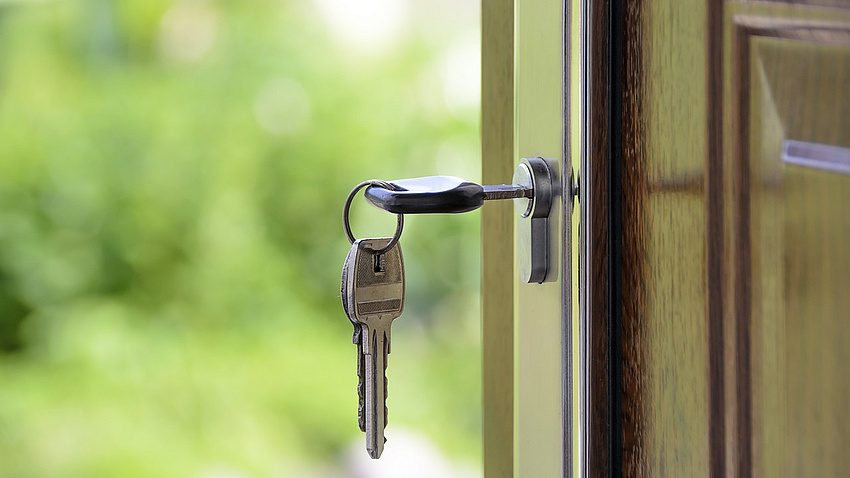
(172, 176)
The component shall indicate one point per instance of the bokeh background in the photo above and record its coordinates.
(172, 175)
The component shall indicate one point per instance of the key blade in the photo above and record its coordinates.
(507, 191)
(347, 296)
(376, 386)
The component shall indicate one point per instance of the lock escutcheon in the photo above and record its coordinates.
(533, 224)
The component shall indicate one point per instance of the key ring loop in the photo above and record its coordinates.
(346, 209)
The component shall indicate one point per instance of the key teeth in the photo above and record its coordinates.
(386, 392)
(361, 409)
(361, 383)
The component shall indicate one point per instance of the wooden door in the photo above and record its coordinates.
(719, 272)
(712, 271)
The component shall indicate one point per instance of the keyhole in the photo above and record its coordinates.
(380, 263)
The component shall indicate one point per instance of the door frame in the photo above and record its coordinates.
(530, 331)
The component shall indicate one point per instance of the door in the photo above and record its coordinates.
(726, 173)
(699, 325)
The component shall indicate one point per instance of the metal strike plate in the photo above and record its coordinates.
(532, 241)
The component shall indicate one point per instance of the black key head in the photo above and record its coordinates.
(428, 195)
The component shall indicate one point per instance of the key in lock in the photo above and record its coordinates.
(535, 190)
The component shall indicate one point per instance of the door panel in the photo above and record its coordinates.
(726, 268)
(791, 89)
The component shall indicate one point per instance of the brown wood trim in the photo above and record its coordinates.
(630, 235)
(597, 180)
(741, 246)
(745, 29)
(497, 274)
(715, 253)
(811, 31)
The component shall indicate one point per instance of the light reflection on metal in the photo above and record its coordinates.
(533, 241)
(585, 250)
(834, 159)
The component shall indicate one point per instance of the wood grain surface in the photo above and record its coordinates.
(497, 249)
(789, 80)
(662, 234)
(727, 272)
(596, 263)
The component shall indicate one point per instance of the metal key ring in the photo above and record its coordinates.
(345, 210)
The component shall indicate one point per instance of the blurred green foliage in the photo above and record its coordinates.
(171, 183)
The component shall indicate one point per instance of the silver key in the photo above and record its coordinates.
(374, 298)
(355, 338)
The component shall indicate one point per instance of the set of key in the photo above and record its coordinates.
(372, 293)
(372, 287)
